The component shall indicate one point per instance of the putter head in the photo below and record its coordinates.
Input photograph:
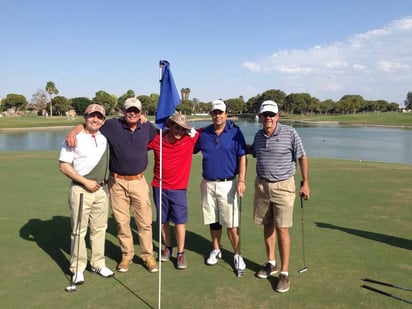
(302, 270)
(70, 289)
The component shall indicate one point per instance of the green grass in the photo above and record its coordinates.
(357, 224)
(35, 122)
(386, 119)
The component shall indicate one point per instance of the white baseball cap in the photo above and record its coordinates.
(218, 105)
(269, 106)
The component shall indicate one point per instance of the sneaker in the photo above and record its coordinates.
(267, 271)
(166, 254)
(124, 265)
(103, 271)
(213, 257)
(78, 278)
(152, 265)
(239, 262)
(181, 261)
(283, 284)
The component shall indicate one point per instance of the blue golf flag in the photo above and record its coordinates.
(169, 96)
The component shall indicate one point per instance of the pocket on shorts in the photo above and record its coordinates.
(259, 185)
(288, 185)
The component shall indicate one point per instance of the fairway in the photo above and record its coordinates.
(357, 224)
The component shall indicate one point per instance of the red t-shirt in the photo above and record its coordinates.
(176, 163)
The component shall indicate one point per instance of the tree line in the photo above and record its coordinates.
(293, 103)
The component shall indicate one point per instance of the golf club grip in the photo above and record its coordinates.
(301, 197)
(80, 206)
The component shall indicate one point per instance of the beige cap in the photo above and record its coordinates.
(133, 102)
(180, 120)
(92, 108)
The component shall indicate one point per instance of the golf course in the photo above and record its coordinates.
(357, 224)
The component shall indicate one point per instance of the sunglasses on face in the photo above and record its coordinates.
(268, 114)
(132, 110)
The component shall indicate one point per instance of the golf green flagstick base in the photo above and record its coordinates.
(387, 284)
(386, 293)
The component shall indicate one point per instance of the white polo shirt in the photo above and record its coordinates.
(87, 153)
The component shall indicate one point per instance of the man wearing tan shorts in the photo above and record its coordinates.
(277, 147)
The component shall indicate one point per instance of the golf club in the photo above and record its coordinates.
(387, 284)
(304, 268)
(239, 272)
(387, 294)
(72, 287)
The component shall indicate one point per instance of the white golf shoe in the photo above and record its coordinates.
(213, 257)
(239, 262)
(103, 271)
(78, 278)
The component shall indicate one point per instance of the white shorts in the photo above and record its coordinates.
(219, 202)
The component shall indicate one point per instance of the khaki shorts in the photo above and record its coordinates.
(219, 202)
(273, 202)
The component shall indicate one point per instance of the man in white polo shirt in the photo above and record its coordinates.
(87, 165)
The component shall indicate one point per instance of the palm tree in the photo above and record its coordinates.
(51, 90)
(185, 93)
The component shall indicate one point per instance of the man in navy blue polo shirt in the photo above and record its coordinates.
(224, 152)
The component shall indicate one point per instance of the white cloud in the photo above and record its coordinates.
(376, 64)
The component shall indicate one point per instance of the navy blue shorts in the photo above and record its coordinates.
(174, 205)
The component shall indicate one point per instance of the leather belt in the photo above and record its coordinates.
(222, 179)
(127, 177)
(101, 183)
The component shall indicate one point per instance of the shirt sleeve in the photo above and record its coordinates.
(66, 154)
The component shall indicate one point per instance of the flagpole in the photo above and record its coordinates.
(160, 201)
(168, 100)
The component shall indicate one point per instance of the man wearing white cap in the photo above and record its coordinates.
(277, 147)
(224, 152)
(87, 165)
(128, 138)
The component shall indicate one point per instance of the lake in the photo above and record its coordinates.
(390, 145)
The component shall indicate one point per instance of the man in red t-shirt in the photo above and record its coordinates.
(177, 150)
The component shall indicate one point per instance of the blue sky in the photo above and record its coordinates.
(218, 49)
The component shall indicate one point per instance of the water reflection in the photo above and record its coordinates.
(377, 144)
(33, 139)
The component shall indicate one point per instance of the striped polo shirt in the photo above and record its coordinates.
(276, 155)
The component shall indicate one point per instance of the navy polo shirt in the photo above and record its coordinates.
(128, 149)
(221, 153)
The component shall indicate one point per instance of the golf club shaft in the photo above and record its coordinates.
(240, 216)
(79, 224)
(303, 232)
(72, 287)
(304, 268)
(239, 272)
(386, 293)
(387, 284)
